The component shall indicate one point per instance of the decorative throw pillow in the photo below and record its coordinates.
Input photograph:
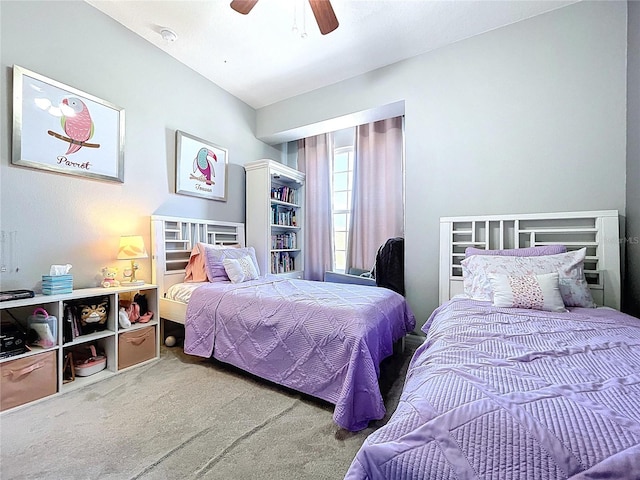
(569, 266)
(213, 259)
(240, 270)
(538, 292)
(518, 252)
(196, 270)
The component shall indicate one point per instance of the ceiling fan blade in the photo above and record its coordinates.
(325, 16)
(243, 6)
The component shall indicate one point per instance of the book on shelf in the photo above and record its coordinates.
(285, 194)
(71, 325)
(281, 216)
(282, 262)
(284, 241)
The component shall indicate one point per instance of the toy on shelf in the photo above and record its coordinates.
(135, 311)
(109, 277)
(123, 318)
(93, 314)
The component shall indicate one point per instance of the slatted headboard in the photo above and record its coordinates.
(598, 231)
(173, 238)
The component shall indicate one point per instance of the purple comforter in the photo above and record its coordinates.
(323, 339)
(515, 394)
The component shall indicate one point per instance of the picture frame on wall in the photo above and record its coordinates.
(61, 129)
(201, 168)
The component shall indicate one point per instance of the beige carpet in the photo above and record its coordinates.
(185, 418)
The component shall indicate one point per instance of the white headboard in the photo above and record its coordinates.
(173, 238)
(598, 231)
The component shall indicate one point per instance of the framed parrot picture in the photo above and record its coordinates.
(201, 168)
(62, 129)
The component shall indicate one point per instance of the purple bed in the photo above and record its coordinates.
(509, 393)
(323, 339)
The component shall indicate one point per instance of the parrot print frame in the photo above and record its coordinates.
(62, 129)
(201, 168)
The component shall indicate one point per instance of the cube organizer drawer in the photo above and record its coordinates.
(27, 379)
(136, 346)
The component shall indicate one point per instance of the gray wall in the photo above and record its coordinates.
(632, 291)
(64, 219)
(526, 118)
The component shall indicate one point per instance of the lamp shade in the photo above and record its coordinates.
(131, 246)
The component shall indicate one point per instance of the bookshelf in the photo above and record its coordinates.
(41, 371)
(275, 217)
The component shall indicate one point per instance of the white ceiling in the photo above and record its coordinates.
(258, 58)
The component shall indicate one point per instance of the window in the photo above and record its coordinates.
(342, 184)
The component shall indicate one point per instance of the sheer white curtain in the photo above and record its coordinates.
(314, 159)
(378, 199)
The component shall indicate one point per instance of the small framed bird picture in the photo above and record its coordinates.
(64, 130)
(201, 168)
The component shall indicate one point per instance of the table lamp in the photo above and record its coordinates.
(132, 248)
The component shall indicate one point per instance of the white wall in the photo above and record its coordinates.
(64, 219)
(526, 118)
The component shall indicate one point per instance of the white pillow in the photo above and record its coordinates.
(539, 292)
(569, 267)
(240, 269)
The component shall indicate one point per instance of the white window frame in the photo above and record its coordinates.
(350, 150)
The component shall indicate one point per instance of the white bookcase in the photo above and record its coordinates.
(275, 217)
(120, 345)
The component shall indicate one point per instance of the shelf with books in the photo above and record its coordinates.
(284, 215)
(283, 262)
(286, 195)
(275, 217)
(284, 241)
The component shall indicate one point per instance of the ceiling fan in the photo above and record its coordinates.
(322, 10)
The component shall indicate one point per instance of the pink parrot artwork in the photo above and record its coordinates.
(76, 123)
(203, 163)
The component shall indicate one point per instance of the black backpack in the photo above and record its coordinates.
(389, 269)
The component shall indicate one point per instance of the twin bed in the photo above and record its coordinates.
(531, 388)
(322, 339)
(529, 382)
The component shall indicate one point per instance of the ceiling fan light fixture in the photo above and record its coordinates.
(168, 35)
(301, 33)
(322, 11)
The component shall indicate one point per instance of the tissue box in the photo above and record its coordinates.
(56, 284)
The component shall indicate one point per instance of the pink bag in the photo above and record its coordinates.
(87, 362)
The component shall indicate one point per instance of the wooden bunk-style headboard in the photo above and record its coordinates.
(173, 238)
(598, 231)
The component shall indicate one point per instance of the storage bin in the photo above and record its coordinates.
(136, 346)
(26, 379)
(45, 325)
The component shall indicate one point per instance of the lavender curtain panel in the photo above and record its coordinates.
(378, 199)
(314, 159)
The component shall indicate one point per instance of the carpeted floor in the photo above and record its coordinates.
(185, 418)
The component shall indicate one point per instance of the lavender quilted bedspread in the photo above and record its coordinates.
(323, 339)
(515, 394)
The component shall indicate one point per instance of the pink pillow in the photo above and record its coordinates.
(518, 252)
